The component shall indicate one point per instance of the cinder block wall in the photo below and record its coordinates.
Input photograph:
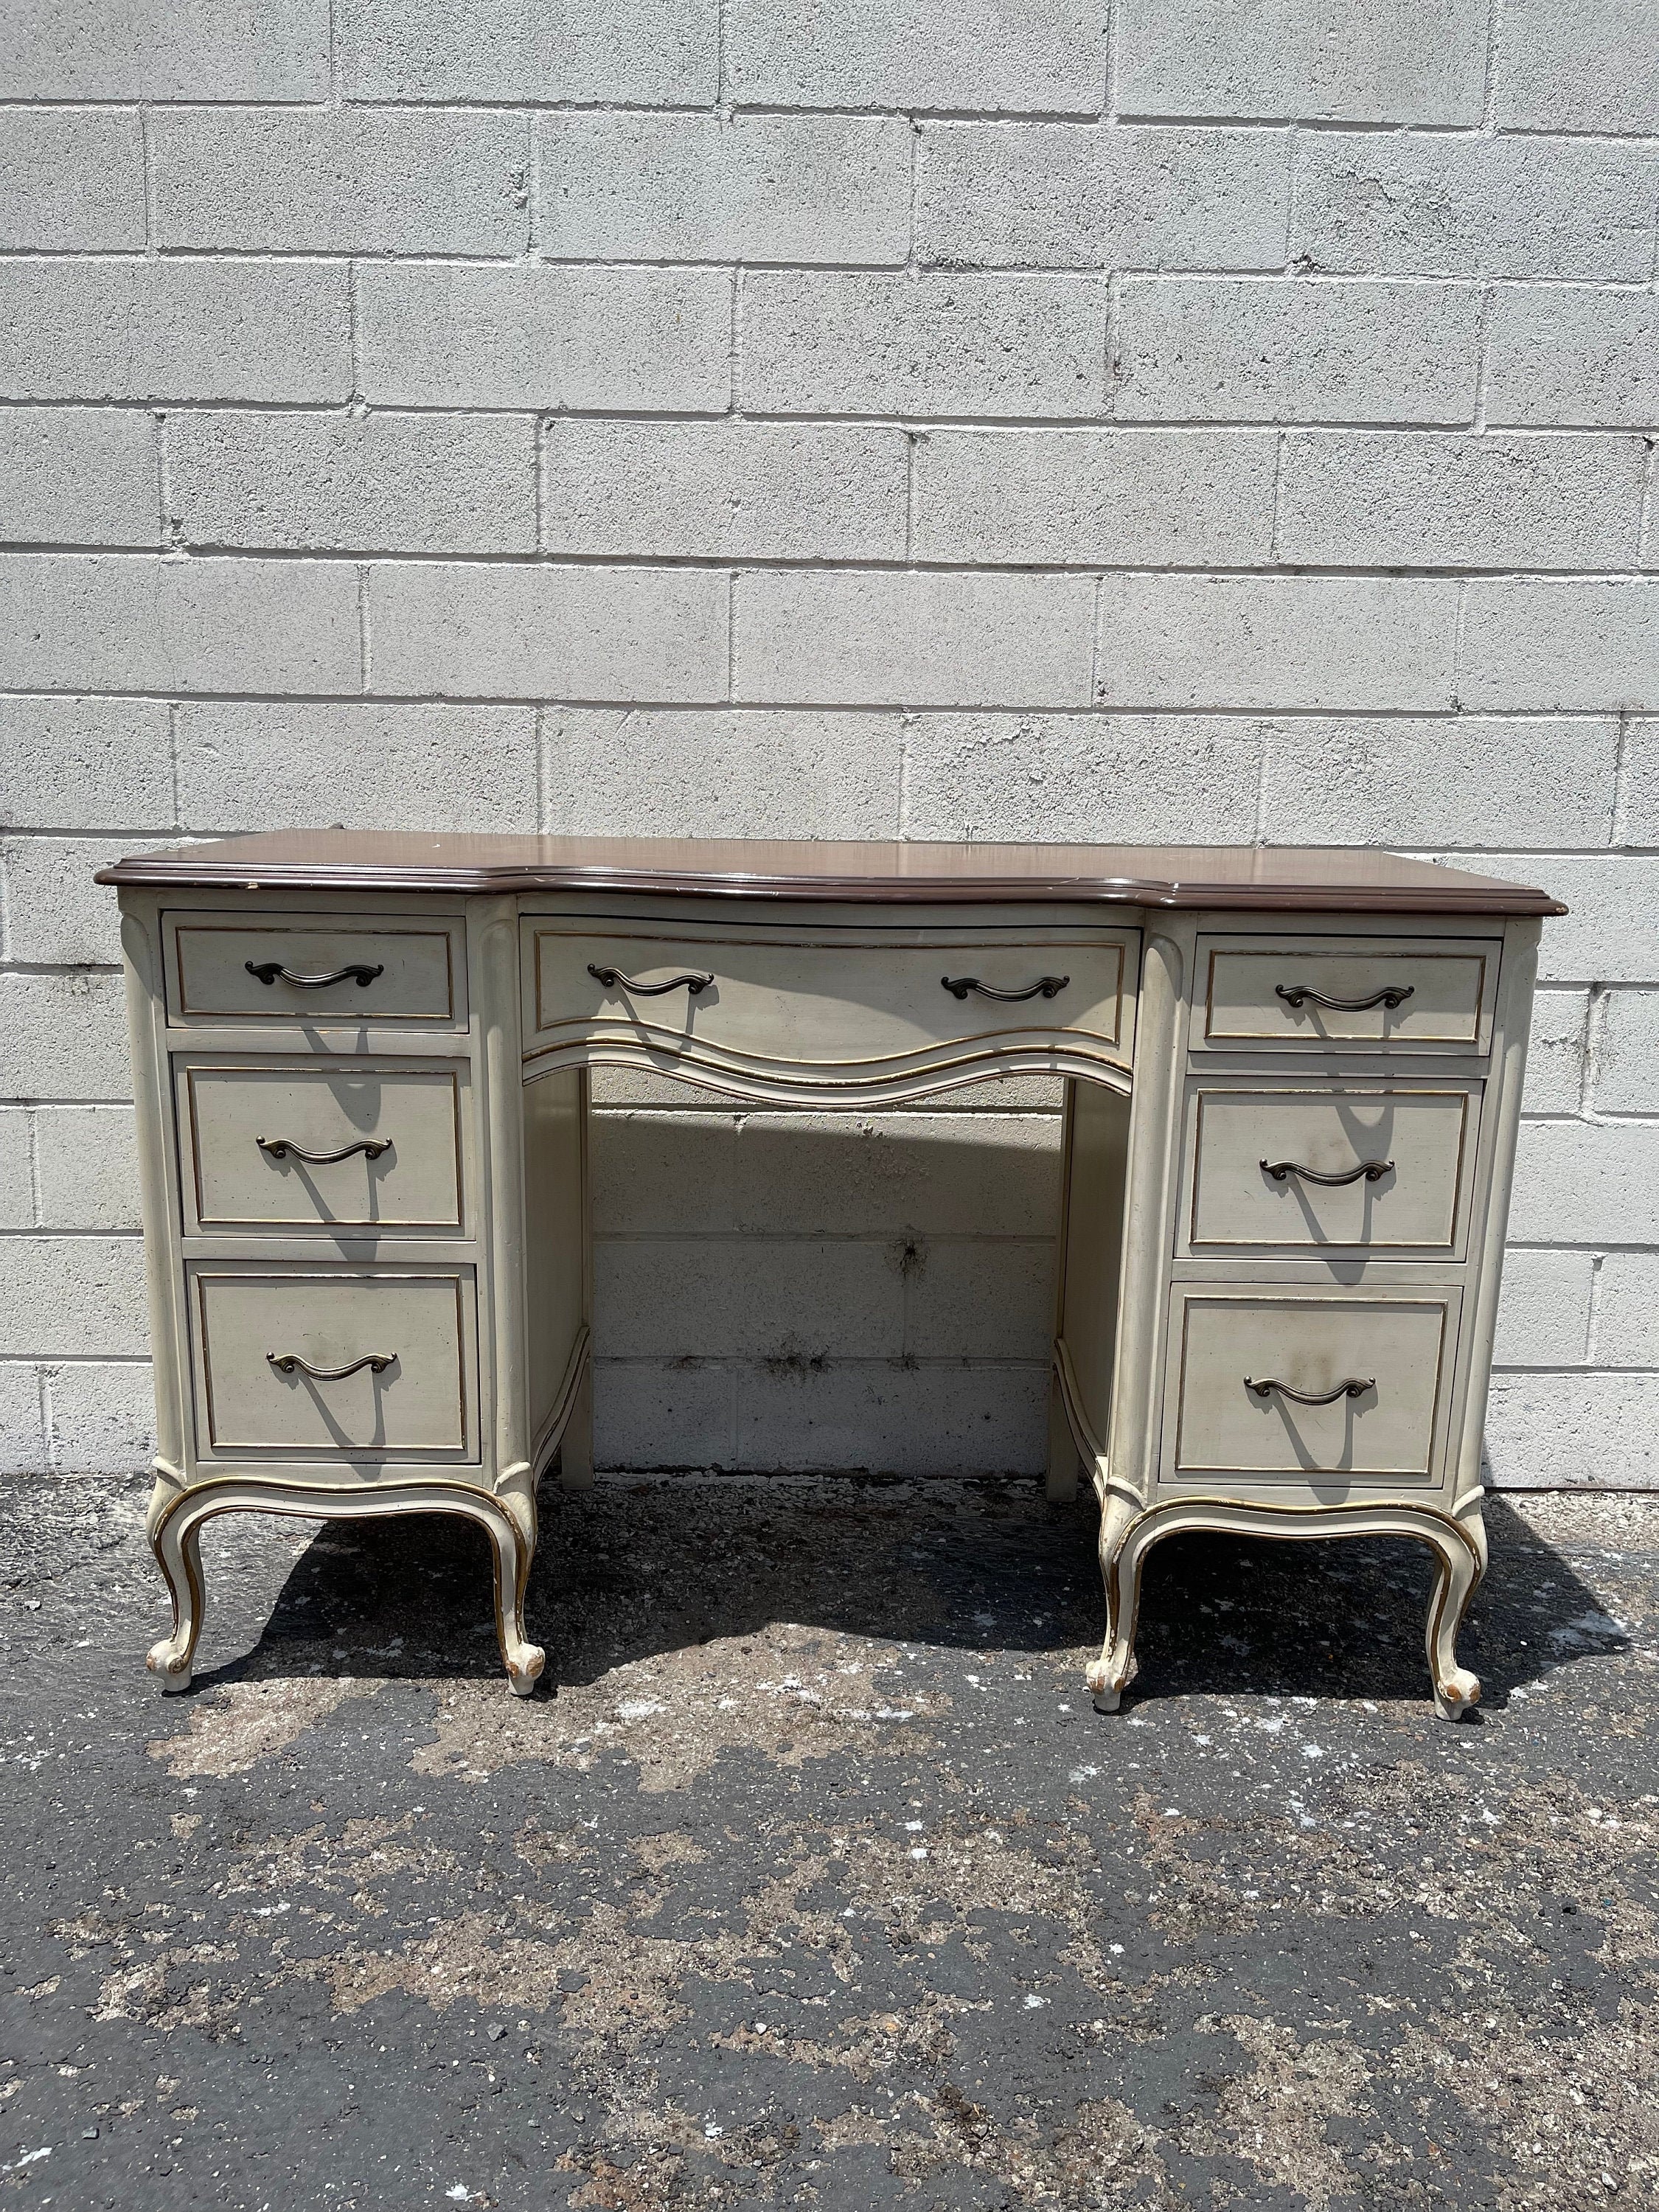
(1189, 419)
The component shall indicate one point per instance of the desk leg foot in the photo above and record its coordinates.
(1462, 1565)
(175, 1537)
(1109, 1675)
(512, 1532)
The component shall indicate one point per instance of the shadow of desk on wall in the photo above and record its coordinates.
(1293, 1079)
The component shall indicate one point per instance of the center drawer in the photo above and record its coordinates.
(284, 1146)
(1269, 1383)
(855, 1001)
(1297, 1169)
(335, 1364)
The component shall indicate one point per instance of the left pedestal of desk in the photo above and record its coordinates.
(364, 1242)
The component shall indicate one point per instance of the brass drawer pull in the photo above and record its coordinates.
(1373, 1171)
(1354, 1388)
(279, 1148)
(960, 986)
(614, 979)
(1298, 995)
(272, 971)
(289, 1363)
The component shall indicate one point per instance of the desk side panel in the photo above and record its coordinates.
(556, 1243)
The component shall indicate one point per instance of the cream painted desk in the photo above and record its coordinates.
(360, 1067)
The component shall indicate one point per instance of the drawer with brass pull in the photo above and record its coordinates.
(321, 970)
(280, 1146)
(859, 1006)
(1324, 995)
(1272, 1384)
(334, 1363)
(1300, 1170)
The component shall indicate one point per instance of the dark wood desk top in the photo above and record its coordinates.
(1351, 880)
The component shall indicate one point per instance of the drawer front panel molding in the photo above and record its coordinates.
(317, 969)
(286, 1146)
(343, 1363)
(1309, 1387)
(362, 1073)
(1380, 1169)
(850, 1009)
(1354, 994)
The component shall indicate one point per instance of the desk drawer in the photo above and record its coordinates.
(872, 1008)
(1398, 1351)
(318, 969)
(372, 1364)
(1348, 995)
(1292, 1168)
(286, 1145)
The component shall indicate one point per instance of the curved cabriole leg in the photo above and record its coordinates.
(1109, 1675)
(1462, 1563)
(512, 1530)
(175, 1537)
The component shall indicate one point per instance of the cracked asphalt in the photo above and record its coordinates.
(815, 1880)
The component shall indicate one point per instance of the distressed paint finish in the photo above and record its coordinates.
(815, 1882)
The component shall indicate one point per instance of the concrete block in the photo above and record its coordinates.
(1339, 61)
(1110, 498)
(664, 1412)
(726, 490)
(982, 1299)
(752, 188)
(1567, 355)
(65, 1296)
(945, 1420)
(1564, 1431)
(1625, 1079)
(1042, 56)
(1442, 781)
(1422, 499)
(902, 1172)
(86, 764)
(63, 1036)
(1626, 1331)
(174, 329)
(101, 1416)
(166, 50)
(1608, 936)
(78, 475)
(623, 339)
(658, 772)
(17, 1208)
(405, 484)
(1641, 808)
(257, 765)
(1555, 1053)
(1423, 204)
(440, 628)
(22, 1433)
(340, 181)
(1270, 349)
(1578, 65)
(769, 1298)
(71, 181)
(633, 53)
(87, 1161)
(55, 913)
(1555, 642)
(1156, 779)
(923, 638)
(664, 1175)
(1275, 642)
(1098, 196)
(1543, 1316)
(131, 622)
(852, 344)
(1582, 1182)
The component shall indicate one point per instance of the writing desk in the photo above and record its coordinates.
(1292, 1085)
